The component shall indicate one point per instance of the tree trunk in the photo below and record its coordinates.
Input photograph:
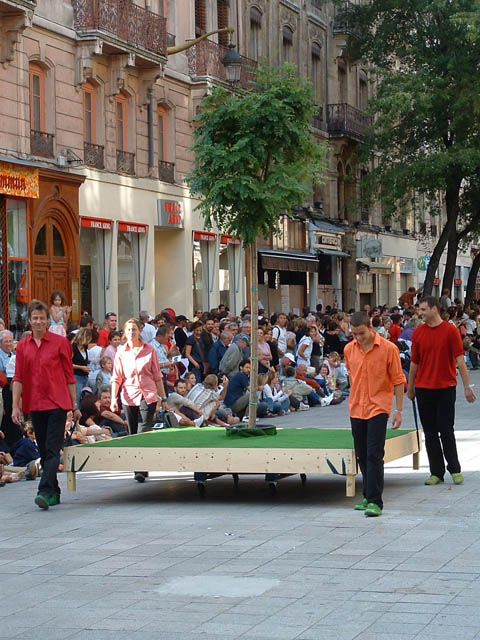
(253, 269)
(452, 251)
(451, 203)
(472, 279)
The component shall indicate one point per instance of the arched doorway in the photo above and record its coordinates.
(51, 257)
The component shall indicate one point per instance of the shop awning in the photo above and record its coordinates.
(285, 261)
(334, 252)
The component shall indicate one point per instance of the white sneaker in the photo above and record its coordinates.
(324, 402)
(303, 407)
(198, 421)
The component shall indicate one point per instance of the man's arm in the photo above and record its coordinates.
(398, 390)
(462, 368)
(16, 401)
(411, 380)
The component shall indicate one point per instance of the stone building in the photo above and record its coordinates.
(95, 130)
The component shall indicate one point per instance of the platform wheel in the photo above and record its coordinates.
(272, 487)
(236, 480)
(303, 478)
(201, 488)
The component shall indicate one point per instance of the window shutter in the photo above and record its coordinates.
(200, 17)
(222, 21)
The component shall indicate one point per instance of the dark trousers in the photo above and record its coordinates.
(12, 431)
(436, 408)
(369, 440)
(140, 418)
(49, 429)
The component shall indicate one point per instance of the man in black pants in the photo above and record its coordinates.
(44, 387)
(436, 352)
(376, 374)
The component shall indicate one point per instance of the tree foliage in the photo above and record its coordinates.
(254, 153)
(425, 56)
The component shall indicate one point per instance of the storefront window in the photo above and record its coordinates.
(18, 269)
(92, 272)
(128, 265)
(198, 280)
(17, 229)
(224, 275)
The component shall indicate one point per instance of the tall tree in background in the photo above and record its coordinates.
(254, 159)
(425, 55)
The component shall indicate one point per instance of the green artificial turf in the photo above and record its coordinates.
(216, 438)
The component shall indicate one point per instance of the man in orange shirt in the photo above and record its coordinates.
(375, 372)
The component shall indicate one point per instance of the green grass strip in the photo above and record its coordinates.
(216, 438)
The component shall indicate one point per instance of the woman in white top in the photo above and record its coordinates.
(305, 346)
(278, 400)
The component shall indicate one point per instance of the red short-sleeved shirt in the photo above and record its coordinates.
(103, 337)
(434, 351)
(394, 332)
(44, 372)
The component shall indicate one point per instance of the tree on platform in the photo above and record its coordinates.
(425, 56)
(255, 158)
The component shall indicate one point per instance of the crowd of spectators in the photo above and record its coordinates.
(205, 364)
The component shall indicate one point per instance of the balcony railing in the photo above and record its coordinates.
(123, 20)
(93, 155)
(126, 162)
(343, 120)
(166, 171)
(205, 59)
(41, 144)
(318, 5)
(343, 23)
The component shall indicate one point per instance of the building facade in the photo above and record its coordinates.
(96, 123)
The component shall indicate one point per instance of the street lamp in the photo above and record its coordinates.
(232, 62)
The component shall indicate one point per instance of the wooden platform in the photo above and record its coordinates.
(306, 451)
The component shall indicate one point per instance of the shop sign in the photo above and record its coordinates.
(436, 281)
(228, 239)
(204, 236)
(457, 282)
(327, 241)
(422, 263)
(129, 227)
(170, 214)
(406, 265)
(20, 181)
(96, 223)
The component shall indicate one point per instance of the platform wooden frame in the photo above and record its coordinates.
(231, 460)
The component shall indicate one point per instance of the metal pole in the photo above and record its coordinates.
(150, 132)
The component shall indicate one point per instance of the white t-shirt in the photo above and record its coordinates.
(307, 353)
(280, 335)
(148, 332)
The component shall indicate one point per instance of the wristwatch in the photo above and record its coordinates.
(469, 386)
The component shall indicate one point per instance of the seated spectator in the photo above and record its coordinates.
(187, 413)
(207, 397)
(237, 396)
(26, 453)
(299, 389)
(315, 395)
(218, 350)
(230, 363)
(104, 376)
(113, 421)
(277, 399)
(338, 371)
(90, 420)
(8, 473)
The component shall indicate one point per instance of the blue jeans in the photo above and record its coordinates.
(81, 380)
(277, 406)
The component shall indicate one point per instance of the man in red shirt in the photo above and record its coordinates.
(110, 324)
(395, 328)
(44, 387)
(436, 352)
(376, 375)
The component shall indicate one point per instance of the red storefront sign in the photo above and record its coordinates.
(96, 223)
(228, 239)
(206, 236)
(130, 227)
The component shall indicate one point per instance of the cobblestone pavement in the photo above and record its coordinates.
(127, 561)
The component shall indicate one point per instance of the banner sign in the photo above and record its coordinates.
(18, 180)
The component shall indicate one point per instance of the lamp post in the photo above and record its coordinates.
(232, 62)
